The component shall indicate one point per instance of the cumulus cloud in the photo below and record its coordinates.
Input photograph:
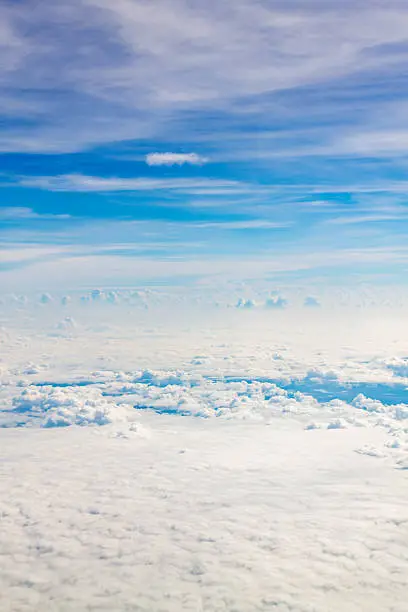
(117, 397)
(170, 392)
(175, 159)
(56, 407)
(276, 303)
(46, 298)
(67, 324)
(311, 302)
(398, 365)
(21, 300)
(96, 295)
(246, 304)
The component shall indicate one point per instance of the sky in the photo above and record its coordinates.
(203, 298)
(186, 142)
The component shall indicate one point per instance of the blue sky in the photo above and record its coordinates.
(252, 140)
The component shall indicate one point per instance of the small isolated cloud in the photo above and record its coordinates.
(21, 300)
(174, 159)
(96, 295)
(67, 324)
(311, 302)
(46, 298)
(246, 304)
(276, 303)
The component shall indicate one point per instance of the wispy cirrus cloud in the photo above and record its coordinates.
(249, 224)
(138, 70)
(367, 218)
(87, 268)
(302, 193)
(78, 182)
(299, 108)
(15, 213)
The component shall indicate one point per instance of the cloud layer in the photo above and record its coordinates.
(172, 519)
(132, 68)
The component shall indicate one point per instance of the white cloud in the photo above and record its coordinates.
(46, 298)
(16, 253)
(135, 69)
(357, 219)
(57, 407)
(276, 303)
(369, 142)
(79, 182)
(67, 324)
(272, 303)
(311, 302)
(13, 213)
(184, 392)
(86, 266)
(246, 304)
(200, 517)
(175, 159)
(242, 225)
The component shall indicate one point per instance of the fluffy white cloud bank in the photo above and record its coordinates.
(118, 397)
(175, 159)
(149, 483)
(201, 515)
(59, 407)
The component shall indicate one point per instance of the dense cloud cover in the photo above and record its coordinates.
(200, 464)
